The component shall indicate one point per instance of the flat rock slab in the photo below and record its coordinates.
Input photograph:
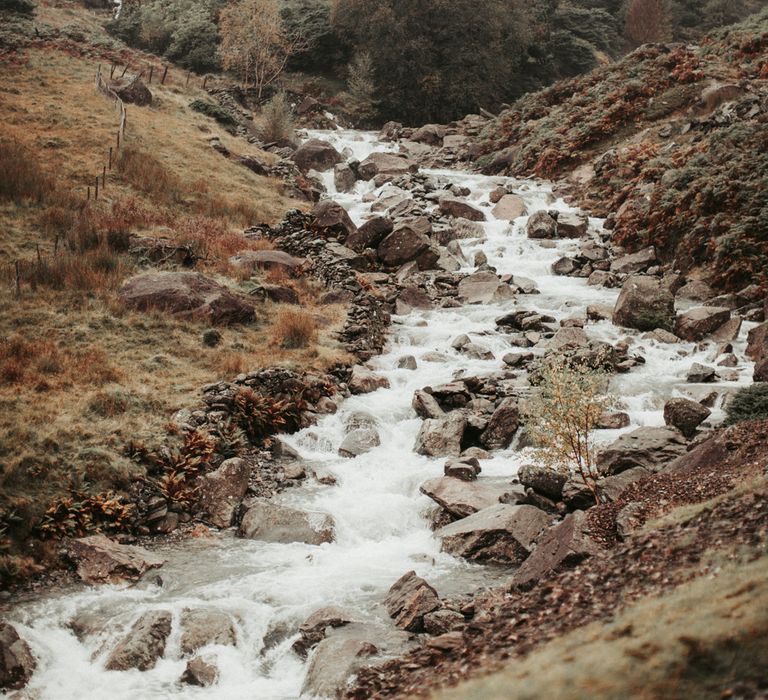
(266, 258)
(484, 288)
(696, 324)
(463, 498)
(100, 560)
(269, 522)
(365, 381)
(460, 209)
(651, 448)
(501, 534)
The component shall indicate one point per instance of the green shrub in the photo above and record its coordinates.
(749, 403)
(23, 7)
(221, 115)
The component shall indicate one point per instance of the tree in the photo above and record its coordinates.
(563, 415)
(361, 88)
(647, 21)
(255, 42)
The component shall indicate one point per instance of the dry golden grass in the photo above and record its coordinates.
(294, 328)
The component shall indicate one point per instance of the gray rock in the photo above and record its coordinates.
(402, 246)
(462, 498)
(685, 415)
(695, 291)
(365, 381)
(609, 488)
(200, 673)
(442, 621)
(635, 262)
(564, 266)
(426, 406)
(644, 304)
(330, 216)
(407, 362)
(651, 448)
(571, 225)
(370, 234)
(333, 664)
(313, 629)
(441, 437)
(269, 522)
(222, 491)
(460, 209)
(695, 324)
(544, 480)
(100, 560)
(501, 534)
(16, 661)
(483, 288)
(541, 225)
(502, 426)
(510, 207)
(144, 644)
(464, 468)
(613, 421)
(201, 627)
(316, 154)
(344, 177)
(359, 442)
(389, 165)
(700, 374)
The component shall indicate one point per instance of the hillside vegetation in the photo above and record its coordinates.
(670, 142)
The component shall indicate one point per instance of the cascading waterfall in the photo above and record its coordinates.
(382, 525)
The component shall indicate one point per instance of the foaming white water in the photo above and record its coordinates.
(381, 524)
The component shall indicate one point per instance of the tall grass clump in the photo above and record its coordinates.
(22, 178)
(294, 329)
(277, 120)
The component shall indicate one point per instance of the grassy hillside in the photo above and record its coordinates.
(671, 140)
(80, 375)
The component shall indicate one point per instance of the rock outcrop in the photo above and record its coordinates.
(645, 304)
(101, 560)
(269, 522)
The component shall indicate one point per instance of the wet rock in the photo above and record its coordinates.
(757, 342)
(100, 560)
(199, 673)
(222, 491)
(388, 165)
(442, 621)
(464, 468)
(144, 644)
(344, 177)
(544, 480)
(313, 629)
(501, 534)
(441, 437)
(460, 209)
(412, 298)
(409, 599)
(729, 331)
(333, 664)
(359, 442)
(644, 304)
(426, 405)
(700, 374)
(761, 371)
(331, 217)
(365, 381)
(566, 337)
(651, 448)
(370, 234)
(199, 628)
(571, 225)
(187, 295)
(402, 246)
(564, 266)
(685, 415)
(599, 312)
(563, 546)
(635, 262)
(695, 324)
(476, 351)
(462, 498)
(316, 154)
(483, 288)
(502, 426)
(541, 225)
(510, 207)
(601, 278)
(613, 421)
(269, 522)
(609, 488)
(661, 336)
(16, 661)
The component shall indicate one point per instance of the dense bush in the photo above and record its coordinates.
(24, 7)
(209, 109)
(749, 403)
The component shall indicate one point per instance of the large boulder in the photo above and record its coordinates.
(16, 661)
(441, 437)
(222, 491)
(426, 406)
(634, 262)
(200, 627)
(313, 630)
(269, 522)
(571, 225)
(133, 91)
(386, 164)
(186, 295)
(365, 381)
(645, 304)
(560, 547)
(370, 234)
(359, 442)
(543, 480)
(333, 664)
(460, 209)
(510, 207)
(409, 599)
(651, 448)
(685, 415)
(541, 225)
(484, 287)
(500, 534)
(100, 560)
(502, 426)
(462, 498)
(316, 154)
(344, 177)
(610, 488)
(401, 246)
(431, 134)
(144, 643)
(757, 342)
(696, 324)
(331, 217)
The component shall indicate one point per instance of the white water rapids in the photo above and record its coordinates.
(382, 528)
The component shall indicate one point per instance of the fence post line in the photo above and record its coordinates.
(18, 280)
(118, 139)
(104, 178)
(124, 71)
(151, 70)
(165, 72)
(96, 188)
(110, 157)
(112, 71)
(89, 194)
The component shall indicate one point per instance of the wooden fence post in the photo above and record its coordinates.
(151, 70)
(56, 245)
(110, 157)
(118, 139)
(165, 72)
(124, 71)
(18, 280)
(104, 177)
(186, 84)
(96, 189)
(205, 80)
(112, 71)
(88, 199)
